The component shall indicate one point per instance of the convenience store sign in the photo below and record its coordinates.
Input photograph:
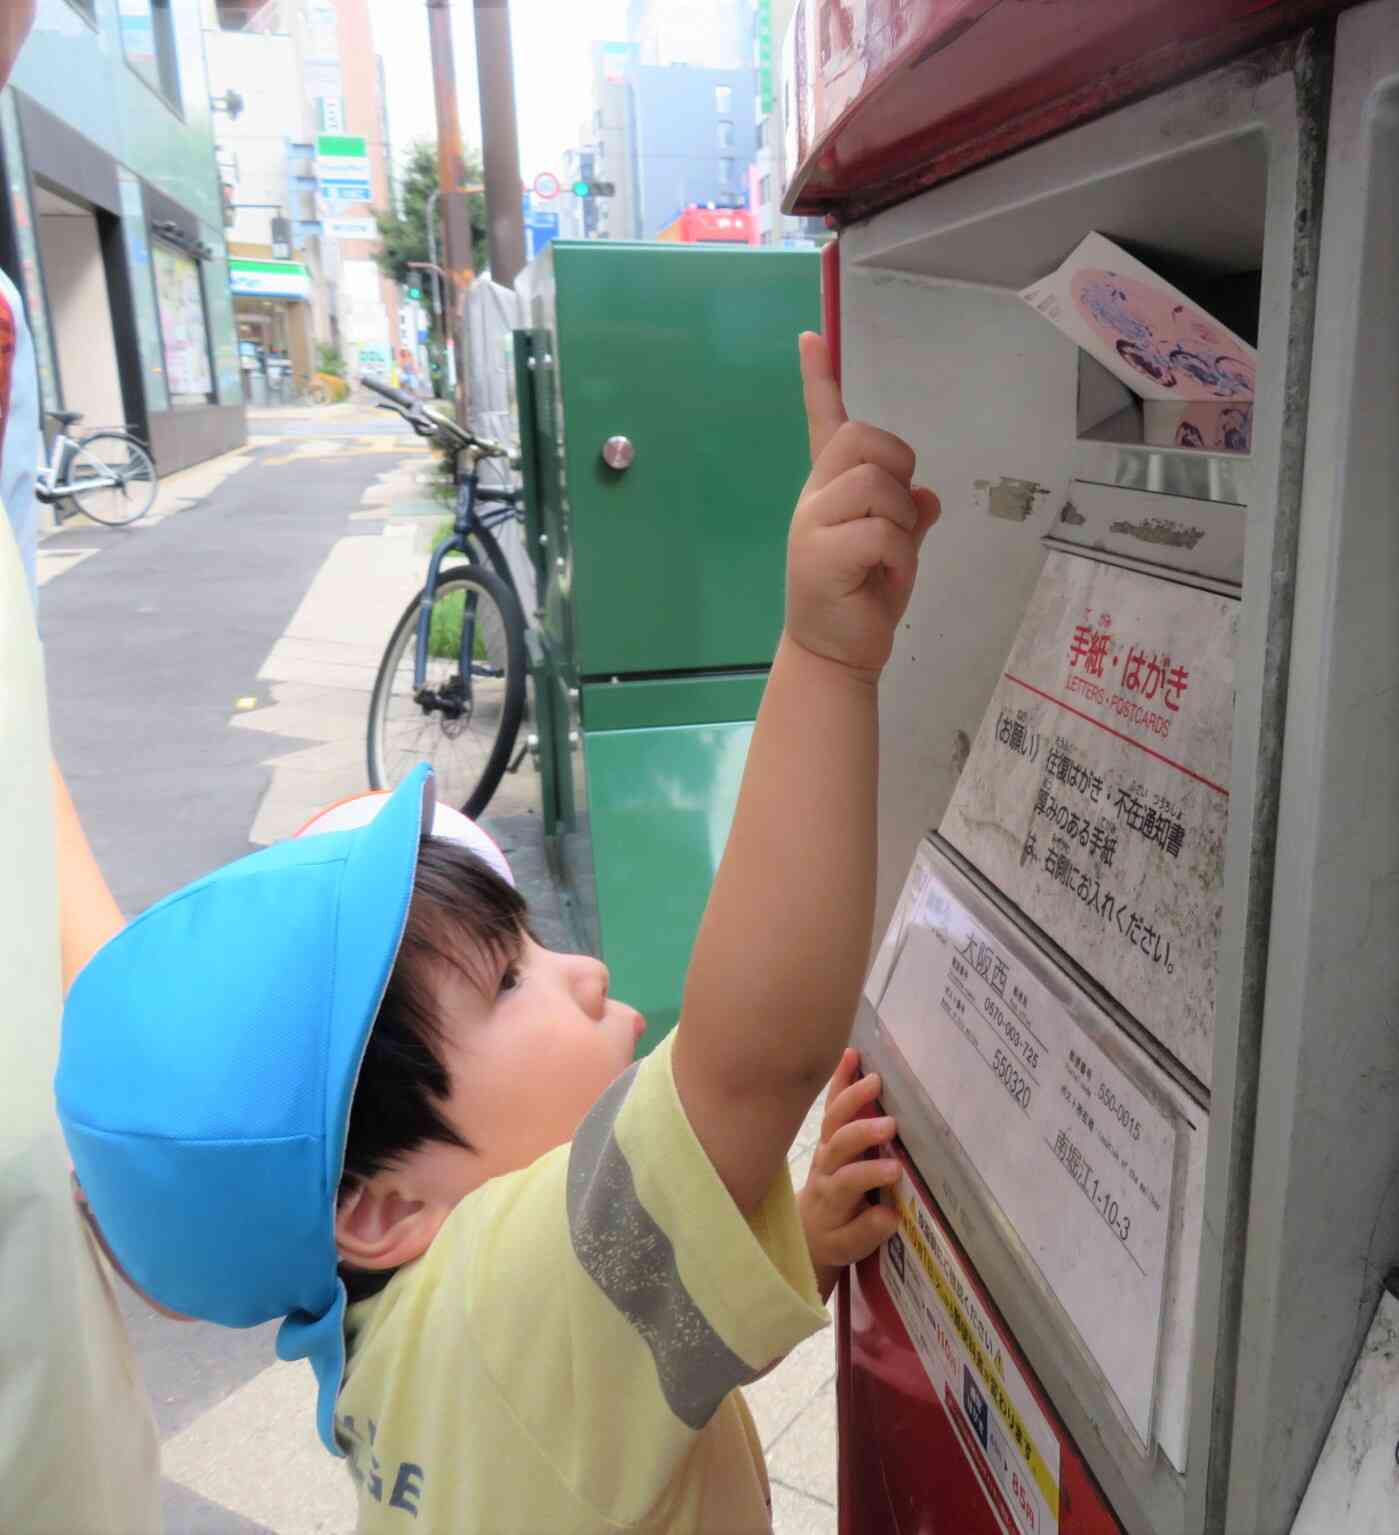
(342, 168)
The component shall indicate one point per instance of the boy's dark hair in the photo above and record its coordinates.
(462, 916)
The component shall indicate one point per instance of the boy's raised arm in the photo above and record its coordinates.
(783, 947)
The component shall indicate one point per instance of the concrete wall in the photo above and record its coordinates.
(253, 151)
(81, 312)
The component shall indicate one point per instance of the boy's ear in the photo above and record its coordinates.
(379, 1227)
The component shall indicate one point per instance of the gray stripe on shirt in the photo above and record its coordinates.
(632, 1262)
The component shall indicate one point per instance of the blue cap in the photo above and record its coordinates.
(210, 1053)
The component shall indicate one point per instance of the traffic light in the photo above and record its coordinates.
(593, 188)
(415, 294)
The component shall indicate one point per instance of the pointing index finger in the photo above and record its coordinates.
(825, 411)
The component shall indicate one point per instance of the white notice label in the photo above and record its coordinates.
(1002, 1430)
(1096, 794)
(1078, 1154)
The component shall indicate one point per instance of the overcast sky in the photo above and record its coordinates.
(552, 71)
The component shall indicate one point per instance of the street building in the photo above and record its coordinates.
(674, 123)
(611, 145)
(687, 122)
(706, 34)
(112, 224)
(769, 170)
(694, 142)
(304, 164)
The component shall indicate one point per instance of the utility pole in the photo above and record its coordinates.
(451, 179)
(439, 296)
(500, 149)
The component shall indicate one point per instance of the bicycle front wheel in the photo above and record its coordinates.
(465, 717)
(113, 479)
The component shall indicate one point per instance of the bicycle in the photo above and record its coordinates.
(108, 475)
(451, 685)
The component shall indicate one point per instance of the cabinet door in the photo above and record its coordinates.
(676, 563)
(660, 803)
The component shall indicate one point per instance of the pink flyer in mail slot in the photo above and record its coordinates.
(1147, 333)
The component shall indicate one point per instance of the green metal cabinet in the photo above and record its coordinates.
(662, 800)
(660, 586)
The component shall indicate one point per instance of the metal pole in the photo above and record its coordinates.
(439, 299)
(450, 181)
(501, 144)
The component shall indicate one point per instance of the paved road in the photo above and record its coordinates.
(352, 418)
(150, 643)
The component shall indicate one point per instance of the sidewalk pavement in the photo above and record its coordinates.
(315, 686)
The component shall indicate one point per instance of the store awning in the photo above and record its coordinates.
(268, 279)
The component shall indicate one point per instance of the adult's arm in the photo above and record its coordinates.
(87, 910)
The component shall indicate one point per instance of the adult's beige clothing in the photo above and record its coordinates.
(78, 1452)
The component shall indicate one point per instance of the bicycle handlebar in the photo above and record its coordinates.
(430, 423)
(399, 397)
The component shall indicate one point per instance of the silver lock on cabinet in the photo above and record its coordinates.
(618, 453)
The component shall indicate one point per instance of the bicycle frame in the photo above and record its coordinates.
(466, 522)
(51, 481)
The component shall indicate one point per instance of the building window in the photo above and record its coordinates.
(726, 134)
(726, 171)
(765, 189)
(760, 133)
(184, 329)
(251, 16)
(723, 99)
(148, 40)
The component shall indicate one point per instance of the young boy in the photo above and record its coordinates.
(340, 1083)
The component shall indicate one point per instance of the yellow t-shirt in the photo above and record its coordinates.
(566, 1356)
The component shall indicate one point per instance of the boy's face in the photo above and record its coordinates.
(526, 1065)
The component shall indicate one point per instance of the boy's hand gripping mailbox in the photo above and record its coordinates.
(841, 1224)
(782, 951)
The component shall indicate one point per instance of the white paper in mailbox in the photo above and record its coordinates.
(1096, 793)
(1079, 1154)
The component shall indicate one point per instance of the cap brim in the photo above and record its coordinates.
(384, 857)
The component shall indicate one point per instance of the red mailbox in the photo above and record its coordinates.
(1123, 274)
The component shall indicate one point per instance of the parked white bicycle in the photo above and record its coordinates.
(108, 476)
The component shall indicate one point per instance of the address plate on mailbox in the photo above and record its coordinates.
(1076, 1146)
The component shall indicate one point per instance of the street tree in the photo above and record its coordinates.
(403, 230)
